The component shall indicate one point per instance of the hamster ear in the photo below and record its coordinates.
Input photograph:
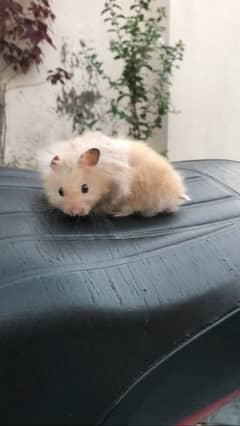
(90, 157)
(55, 162)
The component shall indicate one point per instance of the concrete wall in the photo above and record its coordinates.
(207, 87)
(31, 102)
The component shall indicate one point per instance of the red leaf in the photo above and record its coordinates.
(49, 40)
(32, 30)
(16, 7)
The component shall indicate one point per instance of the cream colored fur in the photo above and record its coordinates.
(155, 185)
(129, 178)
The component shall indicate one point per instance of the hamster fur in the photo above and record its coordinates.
(62, 165)
(122, 177)
(155, 185)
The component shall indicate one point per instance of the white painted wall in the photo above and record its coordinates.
(207, 87)
(31, 102)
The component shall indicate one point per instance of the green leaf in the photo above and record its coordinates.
(92, 123)
(149, 67)
(140, 94)
(104, 11)
(116, 6)
(123, 95)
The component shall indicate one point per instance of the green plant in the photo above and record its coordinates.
(140, 96)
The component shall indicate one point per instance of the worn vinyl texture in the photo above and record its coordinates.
(119, 321)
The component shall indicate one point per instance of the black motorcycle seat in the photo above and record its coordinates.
(94, 310)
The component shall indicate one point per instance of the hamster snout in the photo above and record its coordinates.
(76, 211)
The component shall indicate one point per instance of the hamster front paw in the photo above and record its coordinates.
(120, 214)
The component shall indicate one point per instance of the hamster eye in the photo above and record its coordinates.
(61, 192)
(84, 188)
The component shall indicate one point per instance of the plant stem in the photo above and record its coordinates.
(2, 122)
(136, 129)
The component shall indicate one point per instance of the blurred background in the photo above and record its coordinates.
(205, 90)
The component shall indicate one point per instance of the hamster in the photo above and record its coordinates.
(118, 177)
(82, 173)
